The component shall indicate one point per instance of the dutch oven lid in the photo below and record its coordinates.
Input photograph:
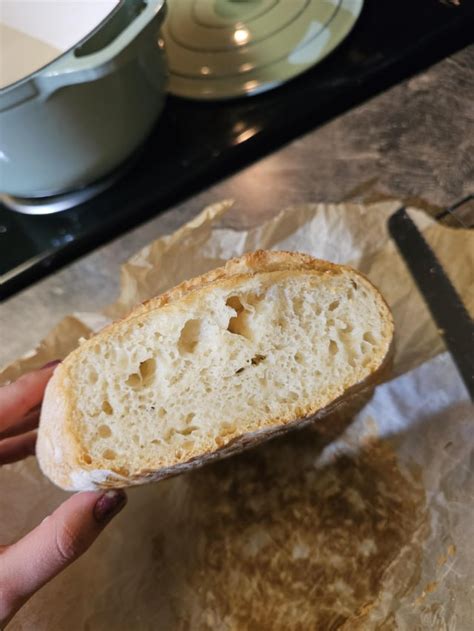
(221, 49)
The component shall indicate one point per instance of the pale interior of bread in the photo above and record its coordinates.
(176, 382)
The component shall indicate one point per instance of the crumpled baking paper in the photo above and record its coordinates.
(370, 527)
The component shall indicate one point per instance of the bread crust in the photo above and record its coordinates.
(59, 450)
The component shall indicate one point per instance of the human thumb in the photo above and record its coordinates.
(59, 540)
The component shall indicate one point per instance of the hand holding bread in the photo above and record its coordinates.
(30, 562)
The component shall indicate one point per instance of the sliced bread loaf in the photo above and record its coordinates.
(270, 341)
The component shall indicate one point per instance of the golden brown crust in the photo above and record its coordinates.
(59, 451)
(57, 444)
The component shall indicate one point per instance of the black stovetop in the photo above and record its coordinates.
(194, 144)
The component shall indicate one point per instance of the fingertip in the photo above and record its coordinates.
(60, 539)
(101, 505)
(109, 504)
(82, 502)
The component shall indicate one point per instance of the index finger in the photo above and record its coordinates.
(19, 397)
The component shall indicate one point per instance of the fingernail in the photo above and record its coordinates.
(109, 504)
(50, 364)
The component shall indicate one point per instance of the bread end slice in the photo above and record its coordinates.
(270, 341)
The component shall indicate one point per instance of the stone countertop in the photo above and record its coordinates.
(414, 142)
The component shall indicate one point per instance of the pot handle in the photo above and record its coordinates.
(107, 46)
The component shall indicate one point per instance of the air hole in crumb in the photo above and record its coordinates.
(133, 380)
(228, 428)
(109, 454)
(354, 284)
(189, 336)
(298, 306)
(104, 431)
(156, 441)
(298, 357)
(136, 439)
(237, 324)
(365, 347)
(334, 305)
(333, 347)
(169, 433)
(93, 377)
(87, 459)
(243, 306)
(237, 372)
(162, 412)
(257, 359)
(235, 303)
(189, 418)
(144, 375)
(246, 301)
(187, 430)
(147, 370)
(368, 337)
(107, 408)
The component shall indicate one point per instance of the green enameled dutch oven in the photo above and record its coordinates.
(76, 119)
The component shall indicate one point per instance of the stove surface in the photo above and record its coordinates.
(195, 143)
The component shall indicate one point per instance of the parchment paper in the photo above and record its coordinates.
(369, 527)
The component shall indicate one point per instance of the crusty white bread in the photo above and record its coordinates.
(270, 341)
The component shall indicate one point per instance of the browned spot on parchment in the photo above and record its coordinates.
(443, 558)
(281, 545)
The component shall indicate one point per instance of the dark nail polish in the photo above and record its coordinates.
(50, 364)
(109, 504)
